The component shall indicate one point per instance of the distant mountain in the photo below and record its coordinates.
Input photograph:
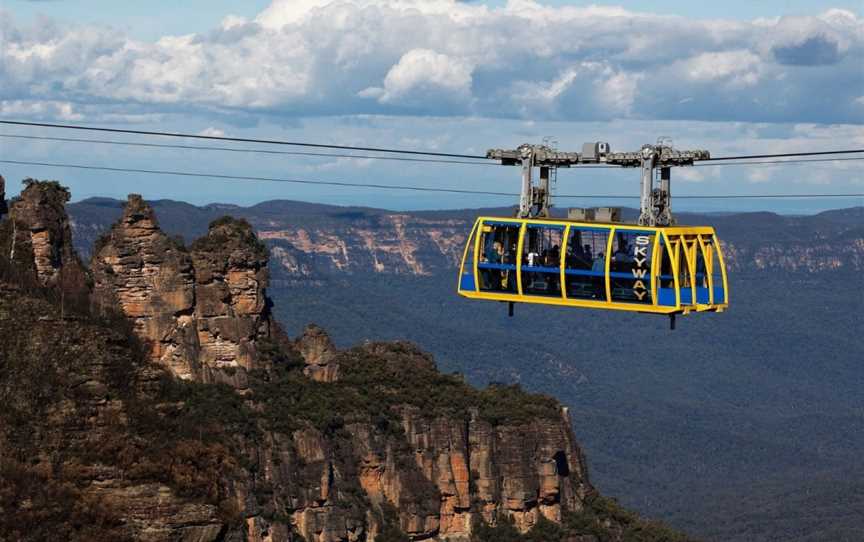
(717, 427)
(314, 239)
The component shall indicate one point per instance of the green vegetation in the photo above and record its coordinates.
(603, 511)
(58, 194)
(230, 231)
(602, 518)
(375, 381)
(503, 531)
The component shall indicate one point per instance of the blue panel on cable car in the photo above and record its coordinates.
(719, 295)
(702, 295)
(686, 296)
(666, 296)
(467, 282)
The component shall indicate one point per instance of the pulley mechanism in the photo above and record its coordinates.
(655, 162)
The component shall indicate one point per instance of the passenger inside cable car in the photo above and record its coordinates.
(541, 260)
(497, 264)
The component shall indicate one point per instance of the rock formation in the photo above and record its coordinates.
(201, 311)
(40, 224)
(319, 353)
(440, 473)
(139, 269)
(231, 308)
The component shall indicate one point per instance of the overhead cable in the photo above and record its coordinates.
(237, 139)
(372, 157)
(251, 151)
(399, 187)
(369, 149)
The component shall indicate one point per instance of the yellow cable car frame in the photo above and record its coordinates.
(688, 259)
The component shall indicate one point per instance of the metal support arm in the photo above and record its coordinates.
(655, 207)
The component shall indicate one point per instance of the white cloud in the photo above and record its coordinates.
(443, 57)
(421, 72)
(39, 109)
(738, 68)
(689, 174)
(619, 91)
(760, 174)
(212, 132)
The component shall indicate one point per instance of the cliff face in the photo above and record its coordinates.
(443, 463)
(200, 311)
(336, 446)
(392, 244)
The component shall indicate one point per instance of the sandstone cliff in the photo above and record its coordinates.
(41, 232)
(200, 311)
(332, 445)
(231, 308)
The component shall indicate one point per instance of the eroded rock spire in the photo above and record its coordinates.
(148, 276)
(201, 311)
(41, 227)
(231, 309)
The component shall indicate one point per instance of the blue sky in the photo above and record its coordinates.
(150, 20)
(733, 77)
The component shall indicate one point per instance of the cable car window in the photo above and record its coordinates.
(497, 256)
(686, 265)
(712, 254)
(585, 263)
(466, 282)
(700, 276)
(541, 260)
(666, 275)
(630, 267)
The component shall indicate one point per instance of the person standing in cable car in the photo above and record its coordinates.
(509, 278)
(599, 266)
(492, 277)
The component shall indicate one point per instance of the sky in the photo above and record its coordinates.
(732, 77)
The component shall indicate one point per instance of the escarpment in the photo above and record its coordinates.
(305, 440)
(394, 431)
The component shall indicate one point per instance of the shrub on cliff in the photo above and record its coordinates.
(227, 232)
(35, 505)
(503, 531)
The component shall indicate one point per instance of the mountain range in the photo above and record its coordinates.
(746, 425)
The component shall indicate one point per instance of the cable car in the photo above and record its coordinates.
(664, 270)
(653, 266)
